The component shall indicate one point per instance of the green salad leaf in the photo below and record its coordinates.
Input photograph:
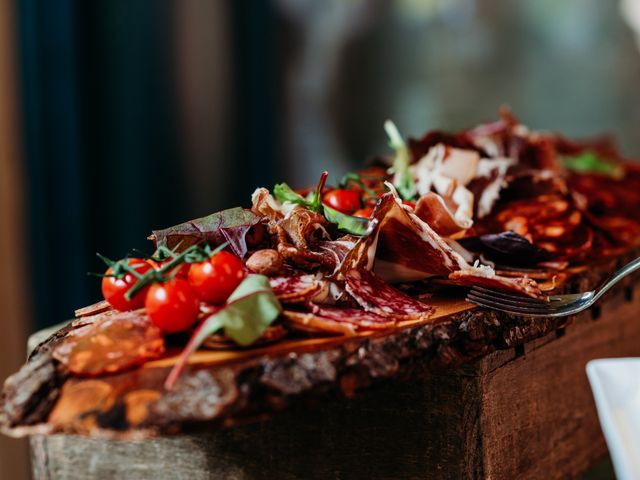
(249, 310)
(231, 225)
(402, 178)
(347, 223)
(591, 162)
(284, 193)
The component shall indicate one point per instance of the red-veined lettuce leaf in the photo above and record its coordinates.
(230, 225)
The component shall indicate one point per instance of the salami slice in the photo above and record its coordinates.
(355, 316)
(295, 288)
(376, 296)
(308, 322)
(111, 344)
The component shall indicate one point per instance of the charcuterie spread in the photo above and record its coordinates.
(367, 253)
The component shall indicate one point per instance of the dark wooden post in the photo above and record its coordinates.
(15, 316)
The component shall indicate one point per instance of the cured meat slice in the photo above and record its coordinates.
(400, 246)
(486, 277)
(309, 322)
(611, 204)
(432, 209)
(488, 183)
(111, 344)
(375, 295)
(553, 223)
(358, 317)
(296, 288)
(335, 251)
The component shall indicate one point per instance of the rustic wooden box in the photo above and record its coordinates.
(521, 413)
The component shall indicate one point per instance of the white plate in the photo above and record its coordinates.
(616, 387)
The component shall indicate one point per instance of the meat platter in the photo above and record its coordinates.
(321, 292)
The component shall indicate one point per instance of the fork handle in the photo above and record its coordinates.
(616, 277)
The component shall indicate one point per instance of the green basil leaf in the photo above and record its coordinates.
(347, 223)
(590, 162)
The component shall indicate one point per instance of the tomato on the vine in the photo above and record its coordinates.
(114, 288)
(345, 201)
(181, 271)
(172, 305)
(216, 278)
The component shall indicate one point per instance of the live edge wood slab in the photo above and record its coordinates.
(479, 395)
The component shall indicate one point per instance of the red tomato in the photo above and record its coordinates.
(364, 212)
(215, 279)
(172, 306)
(345, 201)
(114, 289)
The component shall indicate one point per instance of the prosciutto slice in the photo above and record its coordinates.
(486, 277)
(401, 248)
(376, 296)
(433, 210)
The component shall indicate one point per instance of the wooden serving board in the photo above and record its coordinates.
(523, 412)
(429, 383)
(443, 308)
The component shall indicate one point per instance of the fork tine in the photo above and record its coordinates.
(508, 308)
(508, 301)
(508, 296)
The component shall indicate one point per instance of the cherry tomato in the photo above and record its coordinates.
(114, 289)
(172, 305)
(215, 279)
(363, 212)
(345, 201)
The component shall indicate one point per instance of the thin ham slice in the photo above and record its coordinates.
(432, 209)
(400, 246)
(486, 277)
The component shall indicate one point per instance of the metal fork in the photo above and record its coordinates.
(555, 306)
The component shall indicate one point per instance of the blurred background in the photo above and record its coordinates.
(121, 116)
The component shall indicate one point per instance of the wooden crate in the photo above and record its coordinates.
(521, 413)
